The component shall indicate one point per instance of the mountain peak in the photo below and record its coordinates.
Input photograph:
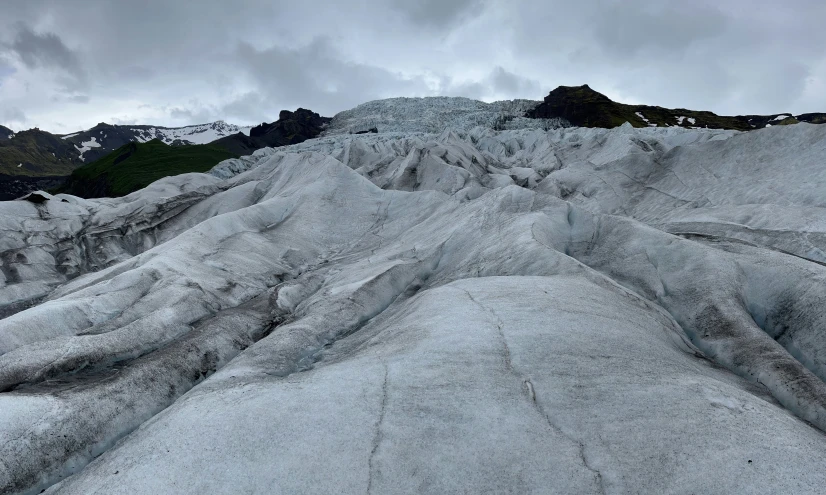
(581, 106)
(583, 91)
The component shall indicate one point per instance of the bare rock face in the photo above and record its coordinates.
(573, 310)
(290, 128)
(581, 106)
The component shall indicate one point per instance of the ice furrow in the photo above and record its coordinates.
(125, 396)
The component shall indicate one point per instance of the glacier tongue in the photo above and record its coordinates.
(565, 310)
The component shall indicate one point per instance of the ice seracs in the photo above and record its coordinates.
(532, 309)
(435, 114)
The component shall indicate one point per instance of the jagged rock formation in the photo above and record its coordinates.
(569, 310)
(290, 128)
(582, 106)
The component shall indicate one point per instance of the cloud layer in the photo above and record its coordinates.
(68, 64)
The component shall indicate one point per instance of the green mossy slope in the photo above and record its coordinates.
(136, 165)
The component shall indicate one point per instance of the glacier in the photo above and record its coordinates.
(535, 309)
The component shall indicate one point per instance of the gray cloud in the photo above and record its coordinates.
(512, 85)
(176, 63)
(136, 73)
(63, 98)
(119, 121)
(6, 69)
(318, 73)
(46, 50)
(630, 27)
(498, 84)
(249, 106)
(14, 115)
(438, 13)
(195, 112)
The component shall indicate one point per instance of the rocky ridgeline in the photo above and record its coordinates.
(582, 106)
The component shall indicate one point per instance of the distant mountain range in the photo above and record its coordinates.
(39, 153)
(137, 164)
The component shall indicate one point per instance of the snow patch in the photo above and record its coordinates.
(640, 115)
(87, 145)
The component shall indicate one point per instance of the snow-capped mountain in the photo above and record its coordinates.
(102, 139)
(38, 153)
(543, 309)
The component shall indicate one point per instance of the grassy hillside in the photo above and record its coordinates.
(136, 165)
(37, 153)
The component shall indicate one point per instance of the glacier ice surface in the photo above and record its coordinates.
(440, 307)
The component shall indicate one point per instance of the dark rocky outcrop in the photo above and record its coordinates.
(290, 128)
(581, 106)
(372, 130)
(36, 197)
(16, 186)
(584, 107)
(812, 118)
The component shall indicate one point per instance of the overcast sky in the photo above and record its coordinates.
(66, 65)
